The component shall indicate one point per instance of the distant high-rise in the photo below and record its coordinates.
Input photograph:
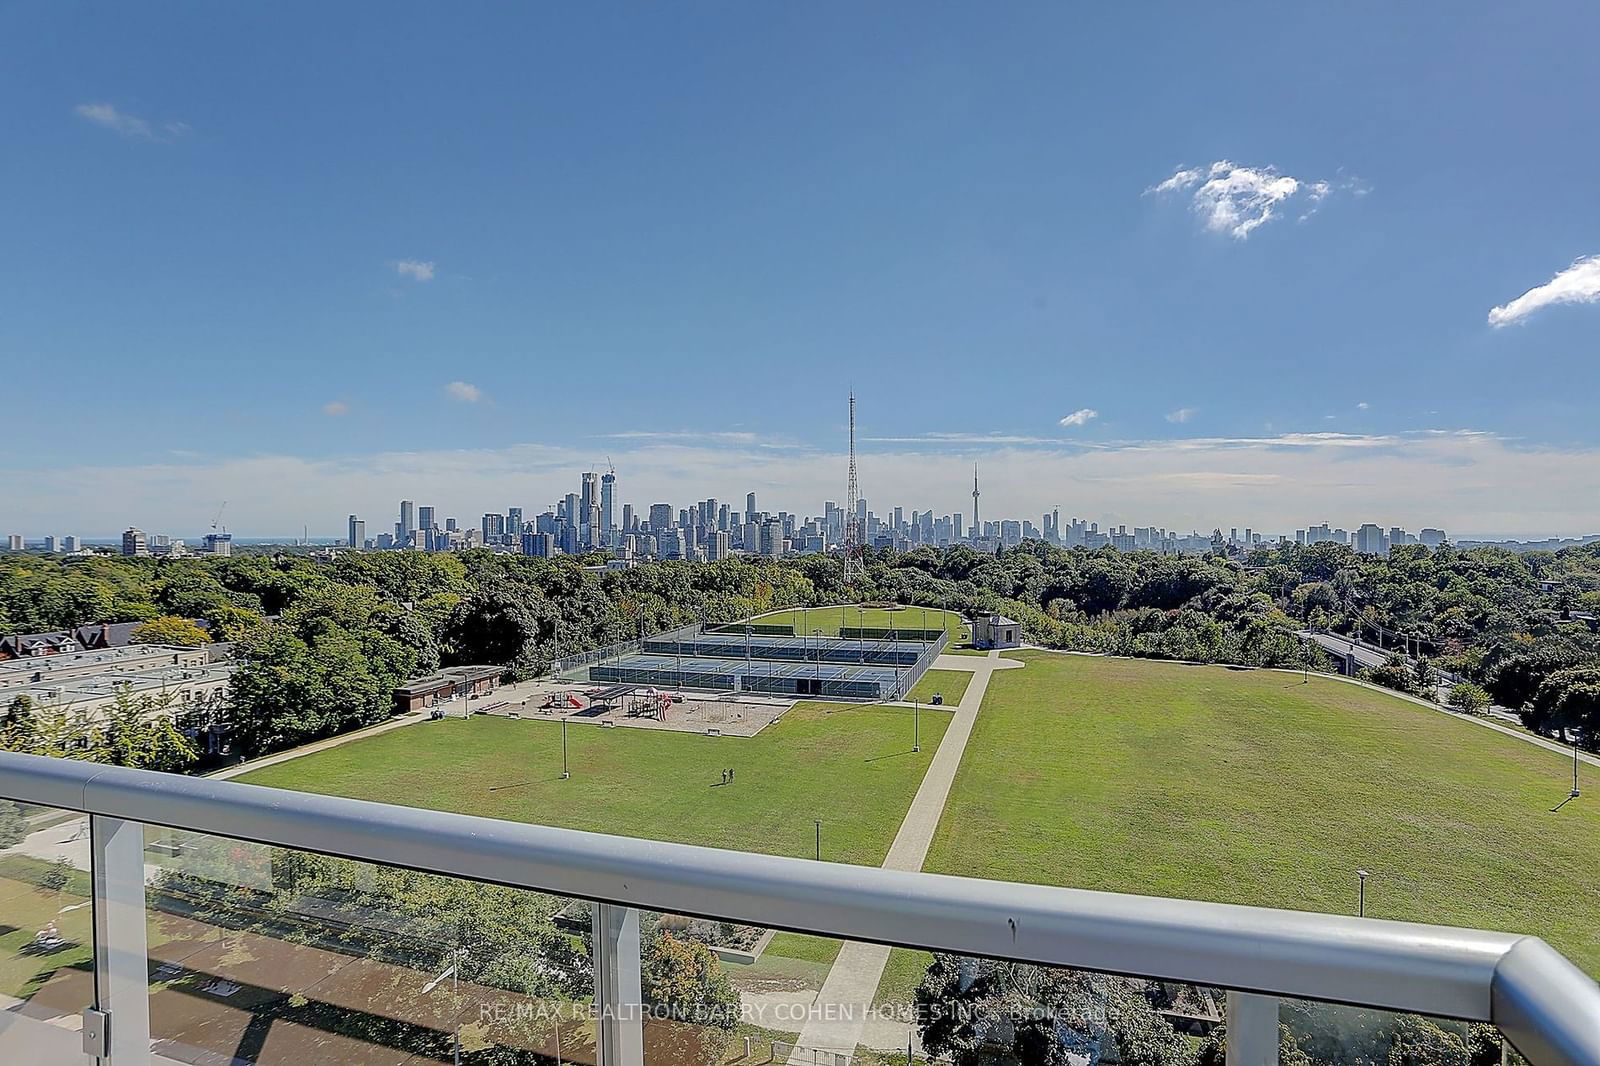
(425, 518)
(69, 543)
(1371, 541)
(408, 521)
(588, 520)
(356, 535)
(750, 507)
(660, 516)
(134, 542)
(14, 542)
(608, 494)
(52, 545)
(514, 521)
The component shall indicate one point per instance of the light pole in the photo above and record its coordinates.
(564, 772)
(819, 839)
(916, 725)
(1361, 904)
(1574, 766)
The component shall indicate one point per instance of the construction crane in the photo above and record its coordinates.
(218, 516)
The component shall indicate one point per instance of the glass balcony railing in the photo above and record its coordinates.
(148, 918)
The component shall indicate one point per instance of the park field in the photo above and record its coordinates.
(850, 766)
(951, 684)
(826, 621)
(1251, 787)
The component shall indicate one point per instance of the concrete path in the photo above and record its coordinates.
(319, 745)
(843, 1008)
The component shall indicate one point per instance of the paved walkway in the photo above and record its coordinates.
(842, 1009)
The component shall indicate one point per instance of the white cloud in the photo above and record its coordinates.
(1578, 284)
(130, 125)
(415, 269)
(1181, 415)
(1081, 417)
(1236, 200)
(1363, 406)
(336, 408)
(461, 390)
(1466, 482)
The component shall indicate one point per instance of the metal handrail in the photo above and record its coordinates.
(1546, 1007)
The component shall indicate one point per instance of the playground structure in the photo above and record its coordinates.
(644, 706)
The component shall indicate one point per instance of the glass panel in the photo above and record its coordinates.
(46, 933)
(810, 1001)
(269, 955)
(722, 992)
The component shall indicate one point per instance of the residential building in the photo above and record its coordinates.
(134, 543)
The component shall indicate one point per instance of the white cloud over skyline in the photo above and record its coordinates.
(1182, 415)
(1081, 417)
(127, 125)
(463, 391)
(1578, 284)
(415, 269)
(1470, 483)
(1237, 200)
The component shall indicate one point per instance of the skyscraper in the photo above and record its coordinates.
(608, 493)
(588, 520)
(425, 518)
(750, 507)
(356, 536)
(514, 521)
(408, 521)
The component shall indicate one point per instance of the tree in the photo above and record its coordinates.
(684, 979)
(503, 623)
(138, 731)
(973, 1010)
(169, 629)
(57, 876)
(1393, 673)
(1469, 698)
(13, 824)
(1568, 700)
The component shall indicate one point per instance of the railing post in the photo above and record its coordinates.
(1252, 1030)
(121, 956)
(618, 987)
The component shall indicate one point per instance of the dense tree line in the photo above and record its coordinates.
(324, 643)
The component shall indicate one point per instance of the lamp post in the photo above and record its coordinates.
(564, 772)
(1574, 766)
(819, 839)
(1361, 904)
(916, 725)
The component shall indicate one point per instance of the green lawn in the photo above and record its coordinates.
(951, 683)
(1251, 787)
(850, 766)
(827, 620)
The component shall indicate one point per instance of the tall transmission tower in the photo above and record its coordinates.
(977, 530)
(852, 493)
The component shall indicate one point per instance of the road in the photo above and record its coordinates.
(839, 1018)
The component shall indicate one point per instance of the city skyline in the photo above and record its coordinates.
(1279, 498)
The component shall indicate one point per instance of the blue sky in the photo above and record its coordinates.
(310, 258)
